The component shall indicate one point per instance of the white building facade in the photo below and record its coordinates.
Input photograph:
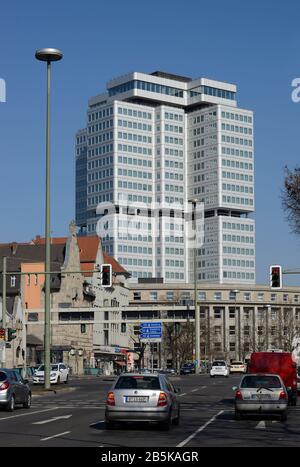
(154, 142)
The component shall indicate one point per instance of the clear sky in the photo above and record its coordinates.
(254, 44)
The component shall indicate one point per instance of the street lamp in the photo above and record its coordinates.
(47, 55)
(197, 316)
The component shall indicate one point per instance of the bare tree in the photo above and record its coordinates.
(291, 198)
(140, 348)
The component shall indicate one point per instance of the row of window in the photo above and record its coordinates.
(223, 94)
(134, 113)
(135, 262)
(237, 152)
(173, 152)
(205, 117)
(238, 263)
(173, 128)
(175, 275)
(237, 164)
(134, 161)
(135, 125)
(134, 249)
(237, 129)
(176, 188)
(100, 138)
(135, 198)
(238, 238)
(238, 251)
(237, 188)
(172, 116)
(81, 139)
(101, 150)
(135, 149)
(134, 186)
(101, 174)
(100, 162)
(135, 137)
(99, 187)
(173, 176)
(100, 126)
(99, 199)
(100, 114)
(237, 200)
(174, 263)
(237, 226)
(240, 141)
(172, 140)
(238, 176)
(237, 117)
(134, 173)
(238, 275)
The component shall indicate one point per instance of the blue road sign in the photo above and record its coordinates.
(151, 331)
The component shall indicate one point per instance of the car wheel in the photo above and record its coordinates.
(27, 404)
(167, 424)
(109, 425)
(237, 415)
(283, 417)
(67, 380)
(294, 401)
(11, 404)
(176, 420)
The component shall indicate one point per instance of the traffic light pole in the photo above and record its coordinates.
(4, 307)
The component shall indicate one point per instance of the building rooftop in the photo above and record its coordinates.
(163, 74)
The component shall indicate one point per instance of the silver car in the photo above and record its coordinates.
(261, 393)
(13, 390)
(142, 398)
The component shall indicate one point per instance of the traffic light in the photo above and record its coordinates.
(275, 277)
(11, 334)
(106, 275)
(2, 334)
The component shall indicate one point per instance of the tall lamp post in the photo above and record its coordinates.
(47, 55)
(197, 316)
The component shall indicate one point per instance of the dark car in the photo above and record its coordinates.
(13, 390)
(187, 369)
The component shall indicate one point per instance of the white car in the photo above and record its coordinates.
(59, 373)
(237, 367)
(219, 368)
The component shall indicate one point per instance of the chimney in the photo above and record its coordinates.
(13, 247)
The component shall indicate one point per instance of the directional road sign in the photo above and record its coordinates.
(151, 332)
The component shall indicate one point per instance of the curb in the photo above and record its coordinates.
(52, 392)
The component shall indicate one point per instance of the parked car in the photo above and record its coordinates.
(237, 366)
(187, 368)
(277, 363)
(59, 373)
(219, 368)
(261, 393)
(13, 390)
(298, 379)
(142, 398)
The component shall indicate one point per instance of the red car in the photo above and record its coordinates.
(277, 363)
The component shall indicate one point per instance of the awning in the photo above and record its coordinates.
(120, 363)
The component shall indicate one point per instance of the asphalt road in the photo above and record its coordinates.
(76, 418)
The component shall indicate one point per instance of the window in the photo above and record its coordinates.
(217, 313)
(232, 295)
(217, 346)
(137, 296)
(260, 296)
(218, 296)
(170, 295)
(273, 314)
(153, 295)
(13, 281)
(202, 296)
(217, 329)
(296, 298)
(232, 346)
(273, 297)
(83, 328)
(246, 330)
(285, 297)
(232, 330)
(231, 312)
(247, 296)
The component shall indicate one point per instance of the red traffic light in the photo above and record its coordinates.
(106, 275)
(2, 334)
(275, 277)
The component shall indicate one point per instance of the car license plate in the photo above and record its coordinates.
(261, 396)
(136, 398)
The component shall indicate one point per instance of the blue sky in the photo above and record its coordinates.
(254, 44)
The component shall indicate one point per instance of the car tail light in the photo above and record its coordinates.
(110, 399)
(4, 386)
(238, 395)
(162, 400)
(282, 395)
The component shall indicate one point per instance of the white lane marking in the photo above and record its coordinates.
(56, 436)
(53, 419)
(29, 413)
(261, 425)
(193, 390)
(183, 394)
(96, 423)
(187, 440)
(203, 387)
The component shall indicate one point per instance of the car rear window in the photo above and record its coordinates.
(3, 376)
(237, 363)
(219, 364)
(261, 382)
(138, 382)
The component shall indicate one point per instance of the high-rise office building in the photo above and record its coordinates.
(152, 143)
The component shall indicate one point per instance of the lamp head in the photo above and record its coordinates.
(48, 55)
